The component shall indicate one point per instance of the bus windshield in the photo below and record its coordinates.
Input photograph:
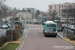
(51, 25)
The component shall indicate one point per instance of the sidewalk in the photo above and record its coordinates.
(60, 34)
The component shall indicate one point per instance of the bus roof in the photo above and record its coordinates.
(50, 22)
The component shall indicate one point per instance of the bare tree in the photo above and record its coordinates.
(3, 9)
(52, 15)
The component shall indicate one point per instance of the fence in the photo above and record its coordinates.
(70, 32)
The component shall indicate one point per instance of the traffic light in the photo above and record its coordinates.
(70, 18)
(50, 18)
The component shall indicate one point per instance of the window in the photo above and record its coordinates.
(50, 11)
(63, 11)
(62, 5)
(55, 7)
(54, 10)
(59, 6)
(50, 7)
(50, 29)
(69, 5)
(63, 16)
(69, 11)
(59, 11)
(51, 25)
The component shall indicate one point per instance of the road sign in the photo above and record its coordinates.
(20, 18)
(41, 19)
(46, 20)
(12, 24)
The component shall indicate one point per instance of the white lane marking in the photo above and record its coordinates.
(35, 28)
(30, 28)
(41, 28)
(38, 28)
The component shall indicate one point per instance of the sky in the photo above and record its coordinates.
(41, 5)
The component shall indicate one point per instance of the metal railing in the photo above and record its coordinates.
(70, 32)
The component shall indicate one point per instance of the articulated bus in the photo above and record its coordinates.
(50, 28)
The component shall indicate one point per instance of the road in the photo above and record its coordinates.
(35, 40)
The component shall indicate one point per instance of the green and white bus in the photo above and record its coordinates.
(50, 28)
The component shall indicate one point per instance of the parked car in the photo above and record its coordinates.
(4, 26)
(67, 26)
(63, 26)
(8, 25)
(72, 27)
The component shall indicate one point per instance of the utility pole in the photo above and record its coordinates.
(67, 23)
(12, 24)
(11, 31)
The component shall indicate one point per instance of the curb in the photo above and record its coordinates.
(20, 43)
(65, 40)
(24, 33)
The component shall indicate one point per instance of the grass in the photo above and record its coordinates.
(10, 46)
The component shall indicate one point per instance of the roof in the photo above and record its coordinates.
(43, 13)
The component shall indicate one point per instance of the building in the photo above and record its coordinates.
(43, 16)
(62, 10)
(25, 15)
(31, 9)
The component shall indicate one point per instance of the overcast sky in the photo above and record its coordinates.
(38, 4)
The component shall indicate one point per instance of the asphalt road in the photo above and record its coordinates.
(35, 40)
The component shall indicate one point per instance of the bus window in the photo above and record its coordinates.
(51, 25)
